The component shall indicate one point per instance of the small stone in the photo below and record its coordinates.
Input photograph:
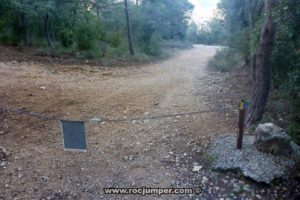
(204, 180)
(197, 168)
(2, 164)
(96, 120)
(20, 176)
(224, 181)
(44, 178)
(247, 188)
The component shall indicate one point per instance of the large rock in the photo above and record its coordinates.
(270, 138)
(257, 165)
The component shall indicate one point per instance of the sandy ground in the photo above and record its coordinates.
(133, 153)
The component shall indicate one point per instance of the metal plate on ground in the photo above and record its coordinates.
(73, 133)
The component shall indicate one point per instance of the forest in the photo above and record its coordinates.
(95, 28)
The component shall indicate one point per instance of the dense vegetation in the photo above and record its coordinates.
(94, 28)
(242, 23)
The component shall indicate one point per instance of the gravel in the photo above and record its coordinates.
(261, 167)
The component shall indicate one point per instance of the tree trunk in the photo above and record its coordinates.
(53, 34)
(137, 2)
(128, 29)
(252, 51)
(255, 8)
(46, 30)
(26, 37)
(262, 68)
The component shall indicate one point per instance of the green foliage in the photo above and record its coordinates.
(212, 32)
(66, 37)
(209, 157)
(85, 37)
(114, 39)
(286, 55)
(294, 128)
(242, 23)
(225, 59)
(152, 44)
(95, 27)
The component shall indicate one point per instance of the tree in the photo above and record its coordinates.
(129, 36)
(262, 66)
(45, 9)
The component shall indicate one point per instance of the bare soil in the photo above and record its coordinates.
(134, 153)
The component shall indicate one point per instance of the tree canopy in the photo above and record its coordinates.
(96, 27)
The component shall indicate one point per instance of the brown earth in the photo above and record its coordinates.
(129, 153)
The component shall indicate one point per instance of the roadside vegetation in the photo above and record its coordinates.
(96, 29)
(225, 60)
(240, 27)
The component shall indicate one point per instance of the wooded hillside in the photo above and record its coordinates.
(96, 28)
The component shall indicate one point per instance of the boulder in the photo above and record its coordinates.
(270, 138)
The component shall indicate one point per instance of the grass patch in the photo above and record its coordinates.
(209, 157)
(225, 60)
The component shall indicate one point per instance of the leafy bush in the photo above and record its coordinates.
(225, 60)
(114, 39)
(88, 33)
(294, 128)
(85, 37)
(152, 45)
(66, 37)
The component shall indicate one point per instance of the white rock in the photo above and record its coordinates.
(204, 180)
(197, 168)
(96, 120)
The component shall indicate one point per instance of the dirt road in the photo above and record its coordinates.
(133, 153)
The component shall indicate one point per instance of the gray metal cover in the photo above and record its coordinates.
(73, 133)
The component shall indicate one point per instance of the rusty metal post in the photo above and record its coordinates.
(241, 124)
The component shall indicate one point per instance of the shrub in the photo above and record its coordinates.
(66, 37)
(152, 46)
(294, 128)
(225, 59)
(88, 34)
(85, 37)
(114, 39)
